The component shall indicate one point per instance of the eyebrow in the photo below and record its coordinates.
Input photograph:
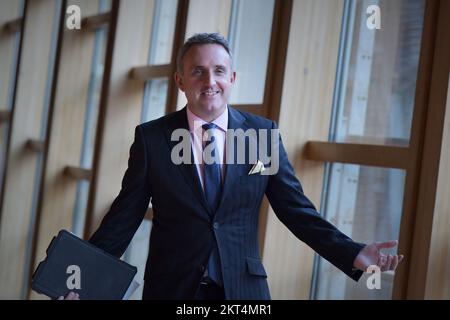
(219, 66)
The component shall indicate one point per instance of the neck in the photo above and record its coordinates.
(208, 116)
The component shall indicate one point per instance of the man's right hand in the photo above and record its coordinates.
(70, 296)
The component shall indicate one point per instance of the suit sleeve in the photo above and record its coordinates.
(128, 209)
(299, 215)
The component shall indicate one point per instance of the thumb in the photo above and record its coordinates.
(387, 244)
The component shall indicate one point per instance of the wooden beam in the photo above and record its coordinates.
(13, 26)
(5, 116)
(362, 154)
(35, 145)
(145, 73)
(410, 272)
(276, 63)
(178, 40)
(428, 253)
(96, 21)
(78, 173)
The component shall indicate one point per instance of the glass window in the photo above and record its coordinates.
(373, 103)
(163, 29)
(160, 51)
(90, 124)
(136, 255)
(366, 204)
(155, 95)
(377, 73)
(249, 36)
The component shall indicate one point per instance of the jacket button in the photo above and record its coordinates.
(216, 225)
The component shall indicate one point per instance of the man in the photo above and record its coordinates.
(204, 236)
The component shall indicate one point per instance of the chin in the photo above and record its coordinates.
(211, 108)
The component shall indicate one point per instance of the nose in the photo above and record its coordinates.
(210, 80)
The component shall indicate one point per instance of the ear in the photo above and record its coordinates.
(233, 77)
(179, 80)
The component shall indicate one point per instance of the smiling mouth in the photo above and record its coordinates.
(210, 93)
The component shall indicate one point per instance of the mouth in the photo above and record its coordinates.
(210, 93)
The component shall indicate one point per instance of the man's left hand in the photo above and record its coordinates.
(371, 255)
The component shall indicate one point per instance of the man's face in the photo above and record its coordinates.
(206, 80)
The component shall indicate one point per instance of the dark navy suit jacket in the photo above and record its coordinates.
(184, 229)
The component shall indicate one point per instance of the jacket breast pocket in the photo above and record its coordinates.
(252, 186)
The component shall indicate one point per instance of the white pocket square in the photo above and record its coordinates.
(258, 167)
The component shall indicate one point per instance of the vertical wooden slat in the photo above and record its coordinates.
(412, 181)
(304, 115)
(9, 11)
(178, 40)
(16, 224)
(423, 237)
(438, 281)
(9, 52)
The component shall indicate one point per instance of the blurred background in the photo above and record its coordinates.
(360, 96)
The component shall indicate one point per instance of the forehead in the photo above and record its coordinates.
(206, 55)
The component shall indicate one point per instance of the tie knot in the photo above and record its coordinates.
(208, 126)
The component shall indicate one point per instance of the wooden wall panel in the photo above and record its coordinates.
(304, 115)
(9, 11)
(67, 125)
(427, 140)
(9, 51)
(430, 238)
(123, 106)
(16, 225)
(208, 16)
(438, 278)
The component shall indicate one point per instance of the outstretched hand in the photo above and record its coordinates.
(371, 255)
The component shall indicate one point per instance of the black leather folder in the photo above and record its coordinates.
(73, 264)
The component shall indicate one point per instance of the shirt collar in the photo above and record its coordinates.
(196, 122)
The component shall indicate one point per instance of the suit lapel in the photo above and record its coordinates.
(233, 170)
(188, 171)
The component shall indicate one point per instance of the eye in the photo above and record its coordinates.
(220, 71)
(197, 72)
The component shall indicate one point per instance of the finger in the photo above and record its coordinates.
(389, 262)
(384, 262)
(381, 261)
(61, 298)
(400, 258)
(71, 295)
(387, 244)
(394, 263)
